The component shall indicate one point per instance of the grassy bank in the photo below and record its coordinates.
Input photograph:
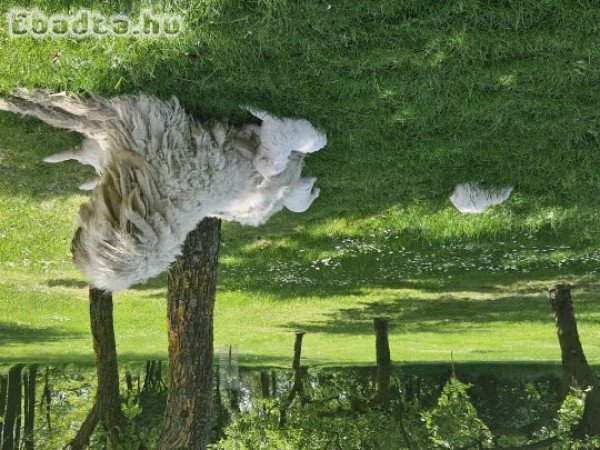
(415, 98)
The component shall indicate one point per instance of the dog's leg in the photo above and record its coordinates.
(63, 111)
(302, 195)
(87, 153)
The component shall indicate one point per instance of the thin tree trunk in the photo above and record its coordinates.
(264, 384)
(82, 438)
(13, 408)
(153, 379)
(107, 406)
(384, 362)
(147, 377)
(234, 400)
(297, 350)
(274, 384)
(28, 437)
(574, 363)
(47, 397)
(159, 379)
(105, 348)
(220, 416)
(3, 387)
(191, 293)
(297, 386)
(576, 369)
(128, 381)
(17, 438)
(590, 422)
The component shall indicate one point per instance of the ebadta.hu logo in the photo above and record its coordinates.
(84, 23)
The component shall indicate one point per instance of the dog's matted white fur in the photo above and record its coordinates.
(161, 172)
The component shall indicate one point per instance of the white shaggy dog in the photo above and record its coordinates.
(161, 172)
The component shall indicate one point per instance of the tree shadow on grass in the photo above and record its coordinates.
(447, 314)
(159, 282)
(67, 283)
(11, 333)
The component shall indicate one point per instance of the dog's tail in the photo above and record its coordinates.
(83, 115)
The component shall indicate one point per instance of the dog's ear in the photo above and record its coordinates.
(258, 113)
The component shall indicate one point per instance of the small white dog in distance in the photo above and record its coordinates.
(473, 198)
(161, 172)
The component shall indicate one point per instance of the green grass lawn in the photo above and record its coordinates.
(415, 97)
